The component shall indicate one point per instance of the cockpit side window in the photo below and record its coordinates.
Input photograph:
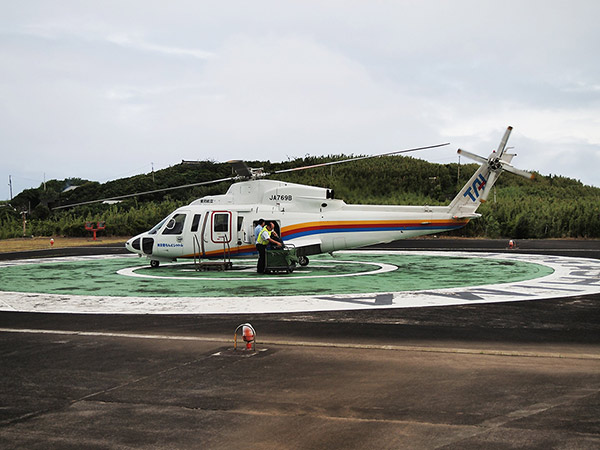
(175, 224)
(196, 222)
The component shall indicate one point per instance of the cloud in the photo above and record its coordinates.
(139, 44)
(126, 84)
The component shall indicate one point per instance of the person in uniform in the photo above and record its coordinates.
(259, 226)
(274, 237)
(264, 238)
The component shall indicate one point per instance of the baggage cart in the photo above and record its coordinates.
(281, 260)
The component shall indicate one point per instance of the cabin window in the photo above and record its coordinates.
(196, 222)
(221, 222)
(240, 223)
(175, 224)
(147, 244)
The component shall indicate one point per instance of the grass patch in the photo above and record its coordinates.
(43, 242)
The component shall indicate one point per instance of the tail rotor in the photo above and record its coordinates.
(497, 162)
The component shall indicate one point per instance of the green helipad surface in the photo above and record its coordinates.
(356, 272)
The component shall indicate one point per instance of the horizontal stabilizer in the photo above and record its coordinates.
(467, 216)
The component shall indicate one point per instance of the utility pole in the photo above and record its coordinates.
(24, 213)
(10, 185)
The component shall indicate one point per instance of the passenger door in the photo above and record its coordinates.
(217, 230)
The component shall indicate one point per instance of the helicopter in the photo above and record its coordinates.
(308, 217)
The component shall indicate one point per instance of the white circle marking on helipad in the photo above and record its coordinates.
(571, 277)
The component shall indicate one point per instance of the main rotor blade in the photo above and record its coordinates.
(359, 158)
(146, 192)
(237, 178)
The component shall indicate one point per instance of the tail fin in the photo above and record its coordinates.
(478, 188)
(469, 198)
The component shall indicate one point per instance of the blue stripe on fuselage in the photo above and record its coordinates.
(371, 230)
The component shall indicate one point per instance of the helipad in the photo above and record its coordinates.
(347, 280)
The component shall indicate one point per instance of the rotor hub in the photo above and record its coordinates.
(495, 164)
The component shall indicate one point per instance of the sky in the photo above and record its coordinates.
(104, 90)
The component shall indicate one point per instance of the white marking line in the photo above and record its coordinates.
(382, 268)
(22, 262)
(109, 334)
(402, 348)
(250, 269)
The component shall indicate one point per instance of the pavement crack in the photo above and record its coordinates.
(528, 411)
(69, 403)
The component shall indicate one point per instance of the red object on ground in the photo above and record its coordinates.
(248, 336)
(90, 227)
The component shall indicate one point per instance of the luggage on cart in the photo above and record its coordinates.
(281, 260)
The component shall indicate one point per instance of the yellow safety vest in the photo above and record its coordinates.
(260, 239)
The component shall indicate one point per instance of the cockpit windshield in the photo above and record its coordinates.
(175, 224)
(158, 226)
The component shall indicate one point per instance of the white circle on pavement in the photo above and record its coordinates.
(381, 268)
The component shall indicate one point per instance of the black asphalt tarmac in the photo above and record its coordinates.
(506, 375)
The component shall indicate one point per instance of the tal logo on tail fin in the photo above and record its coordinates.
(473, 190)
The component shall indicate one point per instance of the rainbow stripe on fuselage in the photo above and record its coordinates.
(368, 226)
(346, 227)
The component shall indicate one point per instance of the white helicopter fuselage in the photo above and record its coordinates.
(305, 216)
(308, 217)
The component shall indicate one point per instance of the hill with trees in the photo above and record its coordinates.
(546, 207)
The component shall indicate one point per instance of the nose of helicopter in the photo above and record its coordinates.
(131, 245)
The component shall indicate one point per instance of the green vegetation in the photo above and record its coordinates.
(547, 207)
